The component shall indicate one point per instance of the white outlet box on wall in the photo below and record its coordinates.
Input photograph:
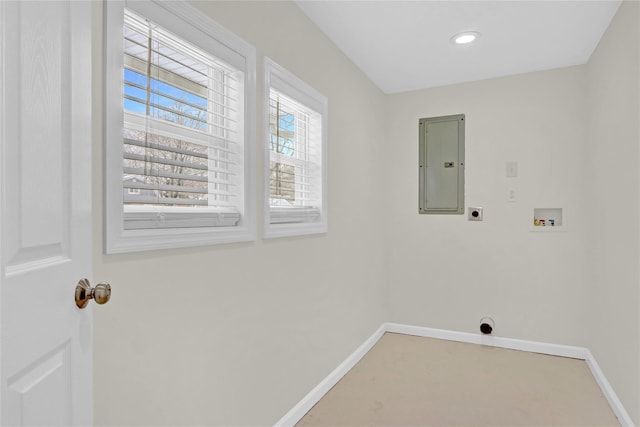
(548, 219)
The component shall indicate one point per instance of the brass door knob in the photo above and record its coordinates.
(84, 292)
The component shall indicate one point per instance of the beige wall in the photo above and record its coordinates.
(448, 272)
(225, 335)
(614, 184)
(237, 334)
(575, 134)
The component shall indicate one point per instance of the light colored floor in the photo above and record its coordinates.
(413, 381)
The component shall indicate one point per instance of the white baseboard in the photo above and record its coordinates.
(297, 412)
(489, 340)
(314, 396)
(608, 392)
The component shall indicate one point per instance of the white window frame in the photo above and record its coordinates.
(191, 25)
(277, 222)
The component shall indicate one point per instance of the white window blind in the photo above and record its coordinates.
(295, 181)
(295, 163)
(179, 127)
(182, 137)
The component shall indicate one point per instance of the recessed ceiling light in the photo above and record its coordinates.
(465, 38)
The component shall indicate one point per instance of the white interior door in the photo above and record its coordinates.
(45, 212)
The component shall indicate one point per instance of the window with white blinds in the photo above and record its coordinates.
(295, 179)
(183, 130)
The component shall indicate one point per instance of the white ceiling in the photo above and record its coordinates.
(405, 45)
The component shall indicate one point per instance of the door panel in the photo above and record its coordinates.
(45, 212)
(442, 181)
(38, 133)
(40, 394)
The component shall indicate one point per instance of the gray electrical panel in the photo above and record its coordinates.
(441, 165)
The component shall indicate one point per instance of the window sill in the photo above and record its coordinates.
(142, 217)
(177, 230)
(293, 215)
(288, 222)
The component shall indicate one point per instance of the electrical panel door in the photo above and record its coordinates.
(441, 165)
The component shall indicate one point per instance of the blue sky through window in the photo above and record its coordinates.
(286, 124)
(162, 93)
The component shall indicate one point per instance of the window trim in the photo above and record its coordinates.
(282, 80)
(228, 47)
